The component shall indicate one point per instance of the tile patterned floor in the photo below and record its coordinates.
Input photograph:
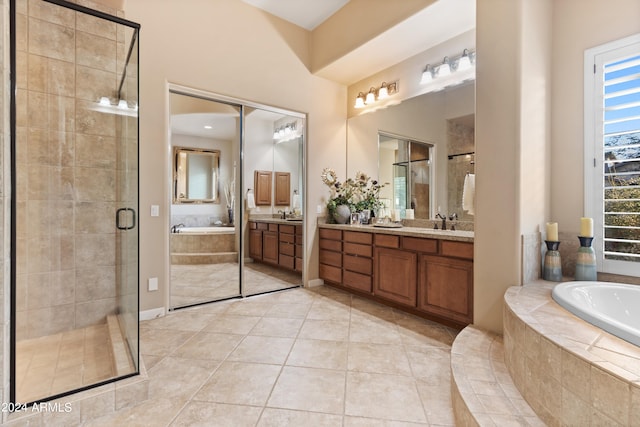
(194, 284)
(300, 357)
(57, 363)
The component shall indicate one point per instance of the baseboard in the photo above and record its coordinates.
(315, 282)
(152, 314)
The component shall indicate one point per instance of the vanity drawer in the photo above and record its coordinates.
(262, 225)
(299, 239)
(252, 225)
(387, 241)
(287, 238)
(357, 249)
(287, 249)
(358, 281)
(326, 233)
(456, 249)
(358, 237)
(358, 264)
(299, 230)
(330, 274)
(429, 246)
(273, 227)
(289, 229)
(332, 245)
(331, 258)
(286, 261)
(299, 251)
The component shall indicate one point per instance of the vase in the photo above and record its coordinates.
(342, 214)
(552, 263)
(230, 211)
(586, 261)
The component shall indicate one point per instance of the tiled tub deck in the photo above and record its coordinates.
(570, 372)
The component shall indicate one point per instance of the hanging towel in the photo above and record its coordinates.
(296, 201)
(251, 200)
(469, 193)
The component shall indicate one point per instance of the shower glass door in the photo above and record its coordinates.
(74, 311)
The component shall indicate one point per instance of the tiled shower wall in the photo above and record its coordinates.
(66, 155)
(460, 139)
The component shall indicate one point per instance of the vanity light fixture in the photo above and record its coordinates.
(122, 107)
(285, 132)
(427, 75)
(376, 94)
(371, 96)
(444, 69)
(451, 72)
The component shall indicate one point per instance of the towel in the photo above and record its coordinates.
(296, 201)
(469, 193)
(251, 201)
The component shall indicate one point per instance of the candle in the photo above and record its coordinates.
(552, 231)
(586, 227)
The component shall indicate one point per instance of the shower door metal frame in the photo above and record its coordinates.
(13, 209)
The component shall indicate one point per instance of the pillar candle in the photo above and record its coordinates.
(552, 231)
(586, 227)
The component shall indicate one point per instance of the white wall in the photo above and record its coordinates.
(230, 48)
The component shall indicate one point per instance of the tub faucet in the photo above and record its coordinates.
(176, 228)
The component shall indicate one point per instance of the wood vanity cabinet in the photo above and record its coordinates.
(262, 183)
(423, 275)
(330, 256)
(286, 246)
(270, 244)
(276, 244)
(357, 260)
(283, 189)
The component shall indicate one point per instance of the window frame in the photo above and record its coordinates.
(593, 137)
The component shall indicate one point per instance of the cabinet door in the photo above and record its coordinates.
(283, 189)
(255, 244)
(395, 275)
(262, 182)
(270, 247)
(446, 287)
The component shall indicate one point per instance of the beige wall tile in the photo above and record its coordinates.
(93, 312)
(96, 26)
(95, 218)
(51, 289)
(95, 52)
(93, 123)
(52, 13)
(92, 84)
(95, 184)
(95, 283)
(610, 395)
(51, 40)
(95, 151)
(49, 320)
(95, 249)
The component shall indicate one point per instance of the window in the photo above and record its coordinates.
(612, 153)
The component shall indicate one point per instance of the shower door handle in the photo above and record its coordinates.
(133, 219)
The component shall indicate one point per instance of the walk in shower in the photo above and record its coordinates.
(74, 224)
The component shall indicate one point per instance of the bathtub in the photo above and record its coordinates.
(206, 230)
(612, 307)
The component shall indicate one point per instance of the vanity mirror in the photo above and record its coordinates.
(195, 175)
(422, 131)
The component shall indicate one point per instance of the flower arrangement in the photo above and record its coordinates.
(360, 194)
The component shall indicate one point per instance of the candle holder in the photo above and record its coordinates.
(552, 263)
(586, 261)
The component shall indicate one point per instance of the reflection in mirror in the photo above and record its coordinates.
(195, 175)
(443, 120)
(461, 166)
(204, 244)
(406, 164)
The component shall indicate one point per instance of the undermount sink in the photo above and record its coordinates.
(294, 219)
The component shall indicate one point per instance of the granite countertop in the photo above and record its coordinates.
(457, 235)
(276, 220)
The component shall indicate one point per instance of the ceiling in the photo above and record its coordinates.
(435, 24)
(307, 14)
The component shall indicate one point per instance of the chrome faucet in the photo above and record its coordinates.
(444, 220)
(176, 228)
(283, 214)
(453, 217)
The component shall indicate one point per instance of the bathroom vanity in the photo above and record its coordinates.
(425, 272)
(277, 242)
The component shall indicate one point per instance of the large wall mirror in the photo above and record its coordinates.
(196, 175)
(439, 128)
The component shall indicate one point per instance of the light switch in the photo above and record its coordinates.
(319, 209)
(153, 283)
(155, 210)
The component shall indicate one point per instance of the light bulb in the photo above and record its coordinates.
(444, 69)
(383, 92)
(427, 75)
(371, 97)
(464, 63)
(104, 101)
(122, 104)
(359, 101)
